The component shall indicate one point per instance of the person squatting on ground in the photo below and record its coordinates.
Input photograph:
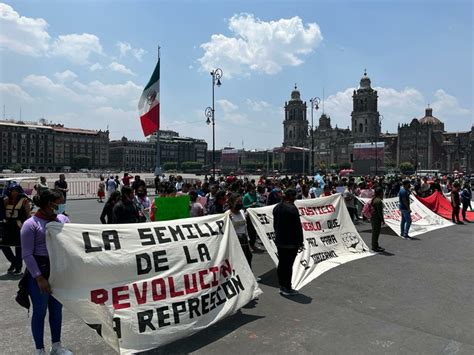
(35, 281)
(405, 210)
(17, 211)
(377, 219)
(288, 239)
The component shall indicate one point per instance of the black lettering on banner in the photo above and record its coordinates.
(144, 321)
(212, 231)
(325, 255)
(163, 315)
(176, 232)
(262, 217)
(193, 304)
(333, 223)
(212, 300)
(88, 245)
(271, 235)
(312, 242)
(218, 296)
(220, 225)
(191, 235)
(200, 232)
(229, 289)
(304, 263)
(141, 270)
(106, 238)
(146, 236)
(189, 259)
(117, 327)
(160, 235)
(159, 260)
(329, 240)
(237, 283)
(203, 252)
(205, 303)
(178, 307)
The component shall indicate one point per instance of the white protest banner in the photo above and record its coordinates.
(330, 237)
(144, 285)
(423, 219)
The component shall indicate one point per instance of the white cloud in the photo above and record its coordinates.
(95, 66)
(77, 47)
(230, 112)
(56, 91)
(21, 34)
(257, 105)
(119, 93)
(126, 48)
(448, 105)
(120, 68)
(15, 91)
(66, 75)
(260, 46)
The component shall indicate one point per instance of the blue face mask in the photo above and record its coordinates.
(60, 209)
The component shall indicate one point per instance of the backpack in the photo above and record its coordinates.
(368, 210)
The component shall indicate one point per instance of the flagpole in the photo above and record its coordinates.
(158, 153)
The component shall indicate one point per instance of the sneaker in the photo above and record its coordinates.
(40, 352)
(459, 222)
(378, 249)
(58, 349)
(11, 269)
(404, 237)
(288, 291)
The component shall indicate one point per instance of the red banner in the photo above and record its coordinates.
(440, 205)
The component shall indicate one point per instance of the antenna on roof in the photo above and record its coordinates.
(20, 113)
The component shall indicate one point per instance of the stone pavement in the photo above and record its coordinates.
(417, 299)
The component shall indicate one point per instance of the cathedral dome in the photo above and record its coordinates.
(429, 118)
(295, 95)
(365, 81)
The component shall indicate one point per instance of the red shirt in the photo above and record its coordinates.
(126, 180)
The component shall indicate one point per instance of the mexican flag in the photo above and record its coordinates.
(149, 104)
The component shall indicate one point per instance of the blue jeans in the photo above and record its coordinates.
(406, 222)
(42, 302)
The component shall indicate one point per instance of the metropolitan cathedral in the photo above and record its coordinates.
(422, 142)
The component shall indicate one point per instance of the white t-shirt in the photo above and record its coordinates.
(196, 209)
(240, 224)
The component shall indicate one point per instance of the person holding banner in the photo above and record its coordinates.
(466, 196)
(239, 221)
(405, 211)
(35, 281)
(456, 202)
(377, 218)
(288, 239)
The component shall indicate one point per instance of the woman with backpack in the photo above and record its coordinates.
(377, 218)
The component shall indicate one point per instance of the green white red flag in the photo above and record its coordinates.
(149, 104)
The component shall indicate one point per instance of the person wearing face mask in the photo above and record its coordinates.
(35, 280)
(238, 219)
(17, 211)
(143, 203)
(126, 210)
(288, 239)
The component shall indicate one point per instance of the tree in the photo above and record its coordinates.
(17, 168)
(170, 166)
(81, 162)
(407, 168)
(345, 165)
(334, 166)
(390, 163)
(191, 165)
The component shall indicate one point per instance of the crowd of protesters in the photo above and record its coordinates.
(126, 201)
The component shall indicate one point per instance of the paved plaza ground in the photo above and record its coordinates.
(417, 299)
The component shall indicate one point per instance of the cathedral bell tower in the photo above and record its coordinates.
(295, 125)
(365, 115)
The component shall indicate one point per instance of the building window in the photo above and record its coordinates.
(361, 128)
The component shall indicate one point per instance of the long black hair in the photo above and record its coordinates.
(46, 196)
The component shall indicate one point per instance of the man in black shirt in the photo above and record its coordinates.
(288, 239)
(61, 185)
(126, 211)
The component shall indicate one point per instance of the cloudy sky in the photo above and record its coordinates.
(84, 63)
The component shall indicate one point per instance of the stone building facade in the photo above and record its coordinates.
(423, 142)
(46, 147)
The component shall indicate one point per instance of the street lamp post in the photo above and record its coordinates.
(379, 124)
(314, 105)
(210, 117)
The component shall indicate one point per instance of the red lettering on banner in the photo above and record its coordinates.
(201, 279)
(173, 292)
(158, 296)
(214, 270)
(226, 269)
(188, 287)
(141, 298)
(99, 296)
(117, 297)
